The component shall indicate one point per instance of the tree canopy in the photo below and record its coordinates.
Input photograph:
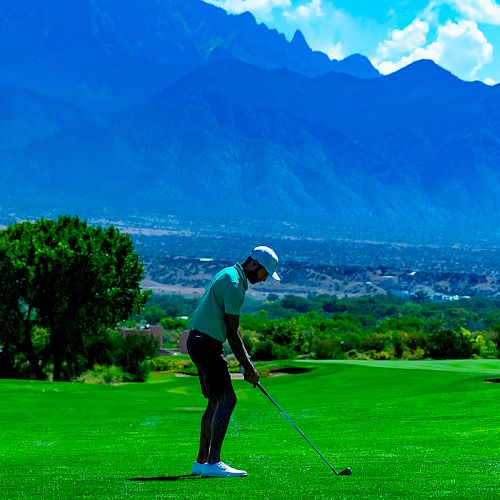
(63, 285)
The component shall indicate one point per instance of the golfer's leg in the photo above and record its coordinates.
(206, 431)
(220, 423)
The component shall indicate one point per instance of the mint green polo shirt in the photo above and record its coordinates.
(224, 295)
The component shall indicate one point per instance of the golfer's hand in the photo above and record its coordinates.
(251, 377)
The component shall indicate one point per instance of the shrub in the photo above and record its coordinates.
(233, 364)
(102, 375)
(387, 354)
(140, 373)
(328, 347)
(484, 346)
(449, 344)
(413, 340)
(418, 353)
(377, 341)
(249, 340)
(267, 350)
(354, 354)
(299, 304)
(132, 353)
(173, 327)
(263, 350)
(171, 363)
(283, 352)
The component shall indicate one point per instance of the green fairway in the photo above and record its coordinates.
(407, 429)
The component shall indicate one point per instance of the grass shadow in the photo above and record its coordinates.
(165, 478)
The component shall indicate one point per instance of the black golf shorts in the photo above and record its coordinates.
(208, 356)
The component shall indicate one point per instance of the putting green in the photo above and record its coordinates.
(407, 429)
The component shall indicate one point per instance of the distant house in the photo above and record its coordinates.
(441, 297)
(183, 342)
(148, 330)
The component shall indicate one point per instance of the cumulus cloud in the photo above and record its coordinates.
(403, 41)
(305, 11)
(490, 81)
(453, 39)
(262, 9)
(446, 31)
(326, 28)
(333, 50)
(330, 29)
(461, 47)
(482, 11)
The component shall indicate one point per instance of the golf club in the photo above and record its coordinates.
(345, 472)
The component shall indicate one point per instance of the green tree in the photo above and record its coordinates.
(16, 312)
(75, 280)
(450, 344)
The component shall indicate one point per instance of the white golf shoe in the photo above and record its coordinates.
(197, 468)
(220, 469)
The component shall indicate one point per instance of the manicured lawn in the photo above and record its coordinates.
(407, 430)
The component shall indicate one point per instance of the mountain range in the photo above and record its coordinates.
(175, 107)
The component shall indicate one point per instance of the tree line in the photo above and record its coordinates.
(372, 327)
(376, 327)
(66, 286)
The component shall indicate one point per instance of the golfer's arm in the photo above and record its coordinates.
(236, 342)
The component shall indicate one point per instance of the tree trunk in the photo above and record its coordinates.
(57, 342)
(30, 350)
(58, 359)
(7, 364)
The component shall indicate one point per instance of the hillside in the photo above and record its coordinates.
(108, 54)
(189, 276)
(189, 111)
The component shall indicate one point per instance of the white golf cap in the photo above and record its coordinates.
(267, 258)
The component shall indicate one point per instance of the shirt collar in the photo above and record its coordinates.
(242, 275)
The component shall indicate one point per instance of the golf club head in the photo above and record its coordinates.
(346, 472)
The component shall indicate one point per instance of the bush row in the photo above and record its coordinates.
(373, 328)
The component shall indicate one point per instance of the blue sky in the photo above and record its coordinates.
(462, 36)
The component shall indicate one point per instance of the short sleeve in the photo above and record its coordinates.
(233, 297)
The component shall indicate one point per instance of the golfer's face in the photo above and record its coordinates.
(262, 274)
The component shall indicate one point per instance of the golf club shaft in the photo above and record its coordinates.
(297, 428)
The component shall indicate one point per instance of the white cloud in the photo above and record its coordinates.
(490, 81)
(446, 31)
(482, 11)
(463, 48)
(325, 27)
(305, 11)
(460, 47)
(333, 51)
(402, 41)
(329, 29)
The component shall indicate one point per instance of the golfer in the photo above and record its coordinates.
(216, 320)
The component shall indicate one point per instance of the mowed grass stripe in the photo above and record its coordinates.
(406, 433)
(481, 366)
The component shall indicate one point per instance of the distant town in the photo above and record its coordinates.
(182, 261)
(180, 258)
